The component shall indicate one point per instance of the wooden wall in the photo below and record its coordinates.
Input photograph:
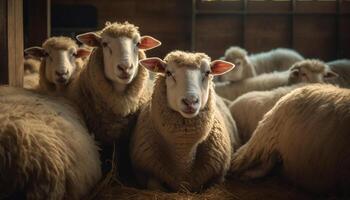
(315, 28)
(168, 21)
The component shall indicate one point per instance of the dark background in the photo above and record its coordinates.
(316, 29)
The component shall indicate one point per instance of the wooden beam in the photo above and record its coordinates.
(15, 42)
(3, 43)
(37, 22)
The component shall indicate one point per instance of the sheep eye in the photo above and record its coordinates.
(74, 54)
(168, 73)
(104, 44)
(138, 44)
(207, 73)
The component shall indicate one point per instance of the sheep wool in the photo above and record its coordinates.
(109, 114)
(57, 43)
(46, 151)
(307, 132)
(180, 152)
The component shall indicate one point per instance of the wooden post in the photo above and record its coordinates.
(15, 42)
(11, 46)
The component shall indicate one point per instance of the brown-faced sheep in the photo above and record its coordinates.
(307, 132)
(249, 66)
(46, 151)
(182, 139)
(112, 87)
(61, 62)
(312, 71)
(263, 101)
(341, 67)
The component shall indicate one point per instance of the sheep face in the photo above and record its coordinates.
(237, 73)
(120, 53)
(187, 84)
(311, 71)
(60, 63)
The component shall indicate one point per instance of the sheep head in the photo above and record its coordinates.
(311, 71)
(239, 57)
(59, 56)
(120, 43)
(188, 78)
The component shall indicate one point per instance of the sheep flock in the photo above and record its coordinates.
(101, 120)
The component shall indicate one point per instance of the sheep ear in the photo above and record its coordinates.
(219, 67)
(148, 42)
(153, 64)
(331, 75)
(36, 52)
(83, 53)
(91, 39)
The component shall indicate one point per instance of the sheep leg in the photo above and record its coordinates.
(257, 157)
(214, 162)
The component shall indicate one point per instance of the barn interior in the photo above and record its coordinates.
(316, 29)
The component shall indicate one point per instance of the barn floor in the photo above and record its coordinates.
(270, 188)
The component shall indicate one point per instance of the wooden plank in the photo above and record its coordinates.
(3, 43)
(15, 42)
(316, 38)
(262, 36)
(37, 22)
(217, 33)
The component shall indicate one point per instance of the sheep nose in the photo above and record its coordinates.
(124, 68)
(191, 100)
(61, 73)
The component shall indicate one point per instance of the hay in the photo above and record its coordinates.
(271, 188)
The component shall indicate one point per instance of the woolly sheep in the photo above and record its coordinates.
(31, 72)
(307, 132)
(112, 88)
(182, 139)
(280, 59)
(61, 62)
(46, 151)
(341, 67)
(249, 66)
(312, 71)
(243, 67)
(263, 101)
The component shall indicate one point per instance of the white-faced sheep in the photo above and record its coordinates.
(182, 139)
(243, 67)
(304, 71)
(262, 101)
(112, 87)
(342, 67)
(307, 132)
(61, 62)
(249, 66)
(46, 151)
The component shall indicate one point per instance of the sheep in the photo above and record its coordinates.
(307, 132)
(46, 151)
(263, 101)
(313, 69)
(31, 72)
(341, 67)
(61, 62)
(182, 139)
(266, 62)
(112, 87)
(280, 59)
(243, 67)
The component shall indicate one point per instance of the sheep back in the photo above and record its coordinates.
(45, 149)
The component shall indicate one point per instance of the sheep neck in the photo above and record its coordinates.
(100, 89)
(181, 135)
